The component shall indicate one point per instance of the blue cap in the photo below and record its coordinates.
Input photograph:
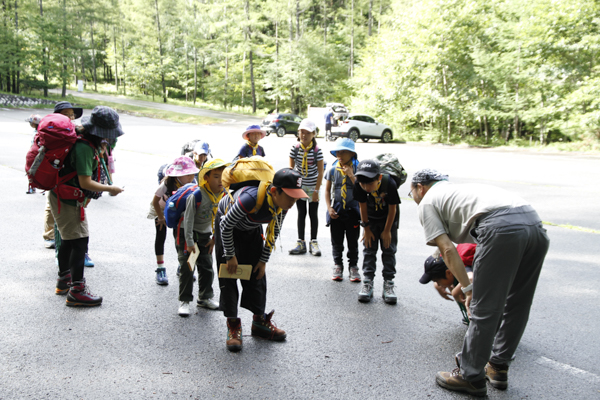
(344, 144)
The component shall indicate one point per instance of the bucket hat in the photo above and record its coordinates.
(253, 128)
(307, 125)
(103, 122)
(209, 166)
(290, 181)
(63, 105)
(182, 166)
(344, 144)
(34, 119)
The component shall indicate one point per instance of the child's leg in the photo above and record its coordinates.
(388, 256)
(352, 227)
(301, 204)
(249, 247)
(159, 242)
(186, 278)
(336, 228)
(206, 273)
(313, 208)
(72, 255)
(370, 253)
(228, 300)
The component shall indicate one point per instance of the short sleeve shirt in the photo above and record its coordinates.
(81, 159)
(390, 197)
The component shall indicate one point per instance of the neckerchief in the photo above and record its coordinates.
(305, 158)
(344, 183)
(275, 211)
(378, 197)
(254, 147)
(214, 198)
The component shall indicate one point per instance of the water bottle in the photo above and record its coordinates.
(111, 164)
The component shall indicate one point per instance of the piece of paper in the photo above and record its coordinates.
(243, 272)
(191, 262)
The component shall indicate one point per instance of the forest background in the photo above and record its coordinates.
(491, 72)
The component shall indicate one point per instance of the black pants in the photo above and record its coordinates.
(313, 208)
(159, 240)
(346, 225)
(71, 257)
(248, 249)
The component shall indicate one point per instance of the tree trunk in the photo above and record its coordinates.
(195, 74)
(352, 42)
(93, 56)
(44, 54)
(124, 81)
(252, 87)
(324, 22)
(116, 59)
(17, 83)
(276, 66)
(370, 17)
(160, 52)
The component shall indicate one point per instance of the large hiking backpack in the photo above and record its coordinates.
(51, 145)
(249, 171)
(390, 165)
(176, 204)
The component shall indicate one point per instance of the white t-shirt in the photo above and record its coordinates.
(453, 209)
(161, 193)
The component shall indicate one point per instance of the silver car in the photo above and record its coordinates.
(364, 127)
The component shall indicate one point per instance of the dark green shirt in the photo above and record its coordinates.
(81, 159)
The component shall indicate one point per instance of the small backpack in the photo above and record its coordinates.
(175, 206)
(390, 165)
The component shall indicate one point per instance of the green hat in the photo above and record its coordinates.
(210, 165)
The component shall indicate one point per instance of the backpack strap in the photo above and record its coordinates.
(314, 150)
(384, 183)
(260, 196)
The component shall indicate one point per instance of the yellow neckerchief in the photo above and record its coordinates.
(378, 198)
(305, 158)
(275, 211)
(214, 199)
(344, 182)
(254, 147)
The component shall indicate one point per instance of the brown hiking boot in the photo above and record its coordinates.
(454, 381)
(497, 375)
(234, 334)
(263, 327)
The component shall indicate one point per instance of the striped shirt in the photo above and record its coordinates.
(238, 216)
(309, 179)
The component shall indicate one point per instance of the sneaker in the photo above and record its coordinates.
(50, 244)
(497, 375)
(366, 293)
(300, 248)
(79, 296)
(338, 271)
(314, 248)
(62, 284)
(88, 261)
(184, 309)
(354, 274)
(454, 381)
(30, 190)
(388, 292)
(207, 303)
(161, 276)
(263, 327)
(234, 334)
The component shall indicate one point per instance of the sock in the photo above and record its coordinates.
(160, 264)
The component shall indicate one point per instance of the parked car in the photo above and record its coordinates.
(362, 126)
(340, 112)
(281, 124)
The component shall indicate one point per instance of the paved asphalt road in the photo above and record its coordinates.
(135, 346)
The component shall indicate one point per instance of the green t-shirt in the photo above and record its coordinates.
(81, 159)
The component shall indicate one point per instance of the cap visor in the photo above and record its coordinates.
(295, 193)
(425, 279)
(369, 175)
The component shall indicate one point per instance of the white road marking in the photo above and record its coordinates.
(579, 373)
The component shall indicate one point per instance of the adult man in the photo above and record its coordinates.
(511, 247)
(328, 123)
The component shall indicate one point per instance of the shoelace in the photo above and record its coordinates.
(389, 289)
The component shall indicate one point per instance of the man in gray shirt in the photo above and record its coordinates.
(511, 247)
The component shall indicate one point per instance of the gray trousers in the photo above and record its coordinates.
(511, 247)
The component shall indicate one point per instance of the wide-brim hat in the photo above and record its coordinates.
(182, 166)
(290, 181)
(209, 166)
(253, 128)
(344, 144)
(103, 122)
(433, 266)
(63, 105)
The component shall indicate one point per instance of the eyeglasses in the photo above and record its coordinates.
(410, 193)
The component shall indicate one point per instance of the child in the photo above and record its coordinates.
(239, 239)
(443, 279)
(343, 213)
(179, 173)
(197, 228)
(380, 217)
(201, 153)
(307, 158)
(252, 135)
(34, 121)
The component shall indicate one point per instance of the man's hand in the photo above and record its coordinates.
(260, 268)
(368, 237)
(386, 237)
(210, 245)
(232, 265)
(468, 298)
(332, 213)
(444, 292)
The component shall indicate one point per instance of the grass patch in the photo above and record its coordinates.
(572, 227)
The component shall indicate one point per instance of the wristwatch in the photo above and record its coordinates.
(467, 288)
(364, 224)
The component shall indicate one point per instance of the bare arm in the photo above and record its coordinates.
(87, 183)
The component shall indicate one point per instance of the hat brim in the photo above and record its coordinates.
(101, 132)
(78, 112)
(426, 278)
(334, 152)
(204, 171)
(183, 172)
(295, 193)
(367, 174)
(262, 133)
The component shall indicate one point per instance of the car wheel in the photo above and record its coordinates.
(365, 139)
(267, 133)
(353, 134)
(386, 137)
(281, 131)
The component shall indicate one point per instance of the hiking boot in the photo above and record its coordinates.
(79, 296)
(62, 284)
(207, 303)
(184, 309)
(314, 248)
(454, 381)
(338, 271)
(497, 375)
(388, 292)
(161, 276)
(50, 244)
(88, 261)
(300, 248)
(234, 334)
(354, 274)
(263, 327)
(366, 293)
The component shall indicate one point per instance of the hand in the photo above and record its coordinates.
(114, 190)
(210, 245)
(191, 249)
(161, 223)
(444, 292)
(260, 267)
(469, 297)
(332, 213)
(315, 196)
(386, 237)
(232, 265)
(348, 170)
(368, 237)
(458, 295)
